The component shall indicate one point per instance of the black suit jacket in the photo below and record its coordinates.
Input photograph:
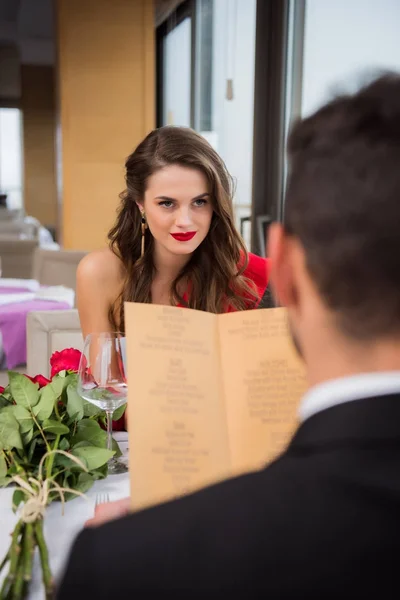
(322, 521)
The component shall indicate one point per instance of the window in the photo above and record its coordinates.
(11, 156)
(175, 41)
(205, 65)
(177, 75)
(369, 43)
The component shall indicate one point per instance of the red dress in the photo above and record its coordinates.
(257, 271)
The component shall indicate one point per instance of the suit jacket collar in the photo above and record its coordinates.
(357, 422)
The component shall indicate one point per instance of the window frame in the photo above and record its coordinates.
(186, 9)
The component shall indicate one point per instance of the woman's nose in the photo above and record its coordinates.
(183, 218)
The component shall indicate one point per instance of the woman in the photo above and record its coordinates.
(174, 241)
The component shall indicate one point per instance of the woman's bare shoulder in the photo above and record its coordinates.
(99, 281)
(102, 267)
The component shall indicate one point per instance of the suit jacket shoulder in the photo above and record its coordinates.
(322, 521)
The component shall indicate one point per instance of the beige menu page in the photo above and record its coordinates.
(263, 380)
(176, 416)
(209, 396)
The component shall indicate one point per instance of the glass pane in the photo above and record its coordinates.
(11, 156)
(368, 39)
(204, 65)
(177, 74)
(224, 90)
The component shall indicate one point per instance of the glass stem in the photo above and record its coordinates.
(109, 414)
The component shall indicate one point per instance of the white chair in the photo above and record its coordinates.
(48, 332)
(19, 227)
(9, 214)
(17, 257)
(56, 267)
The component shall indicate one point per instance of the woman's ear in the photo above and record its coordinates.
(140, 206)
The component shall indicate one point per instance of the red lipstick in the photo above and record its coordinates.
(184, 237)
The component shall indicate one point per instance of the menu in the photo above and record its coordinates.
(209, 396)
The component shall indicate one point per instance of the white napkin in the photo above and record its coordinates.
(28, 284)
(57, 293)
(15, 298)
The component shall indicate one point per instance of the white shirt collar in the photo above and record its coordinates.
(331, 393)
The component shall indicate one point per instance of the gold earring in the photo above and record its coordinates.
(144, 226)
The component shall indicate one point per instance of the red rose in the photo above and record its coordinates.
(120, 425)
(2, 389)
(66, 360)
(40, 379)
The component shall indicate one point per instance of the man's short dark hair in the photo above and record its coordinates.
(343, 204)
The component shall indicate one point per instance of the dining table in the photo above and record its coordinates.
(18, 297)
(60, 530)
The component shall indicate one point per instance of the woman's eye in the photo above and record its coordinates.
(200, 202)
(166, 203)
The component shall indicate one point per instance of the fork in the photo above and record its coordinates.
(102, 498)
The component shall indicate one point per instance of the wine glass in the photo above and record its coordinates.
(102, 381)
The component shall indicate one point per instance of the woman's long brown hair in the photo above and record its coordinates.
(215, 270)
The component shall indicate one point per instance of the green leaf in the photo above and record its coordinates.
(63, 461)
(64, 444)
(119, 412)
(84, 482)
(27, 437)
(4, 402)
(59, 383)
(23, 390)
(75, 482)
(73, 379)
(75, 407)
(24, 418)
(48, 397)
(90, 431)
(18, 497)
(22, 415)
(116, 449)
(91, 410)
(55, 427)
(45, 406)
(80, 444)
(100, 473)
(5, 481)
(3, 466)
(9, 432)
(92, 456)
(32, 449)
(7, 393)
(70, 479)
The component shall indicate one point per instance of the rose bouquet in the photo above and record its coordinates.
(52, 447)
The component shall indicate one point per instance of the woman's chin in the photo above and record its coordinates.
(183, 251)
(183, 248)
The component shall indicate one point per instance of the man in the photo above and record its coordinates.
(322, 521)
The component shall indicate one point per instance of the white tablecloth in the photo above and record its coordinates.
(60, 531)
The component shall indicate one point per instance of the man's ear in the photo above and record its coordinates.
(281, 250)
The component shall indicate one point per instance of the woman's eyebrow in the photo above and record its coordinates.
(168, 199)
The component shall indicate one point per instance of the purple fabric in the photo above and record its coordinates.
(13, 326)
(14, 290)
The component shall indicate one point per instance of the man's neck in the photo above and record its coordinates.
(331, 359)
